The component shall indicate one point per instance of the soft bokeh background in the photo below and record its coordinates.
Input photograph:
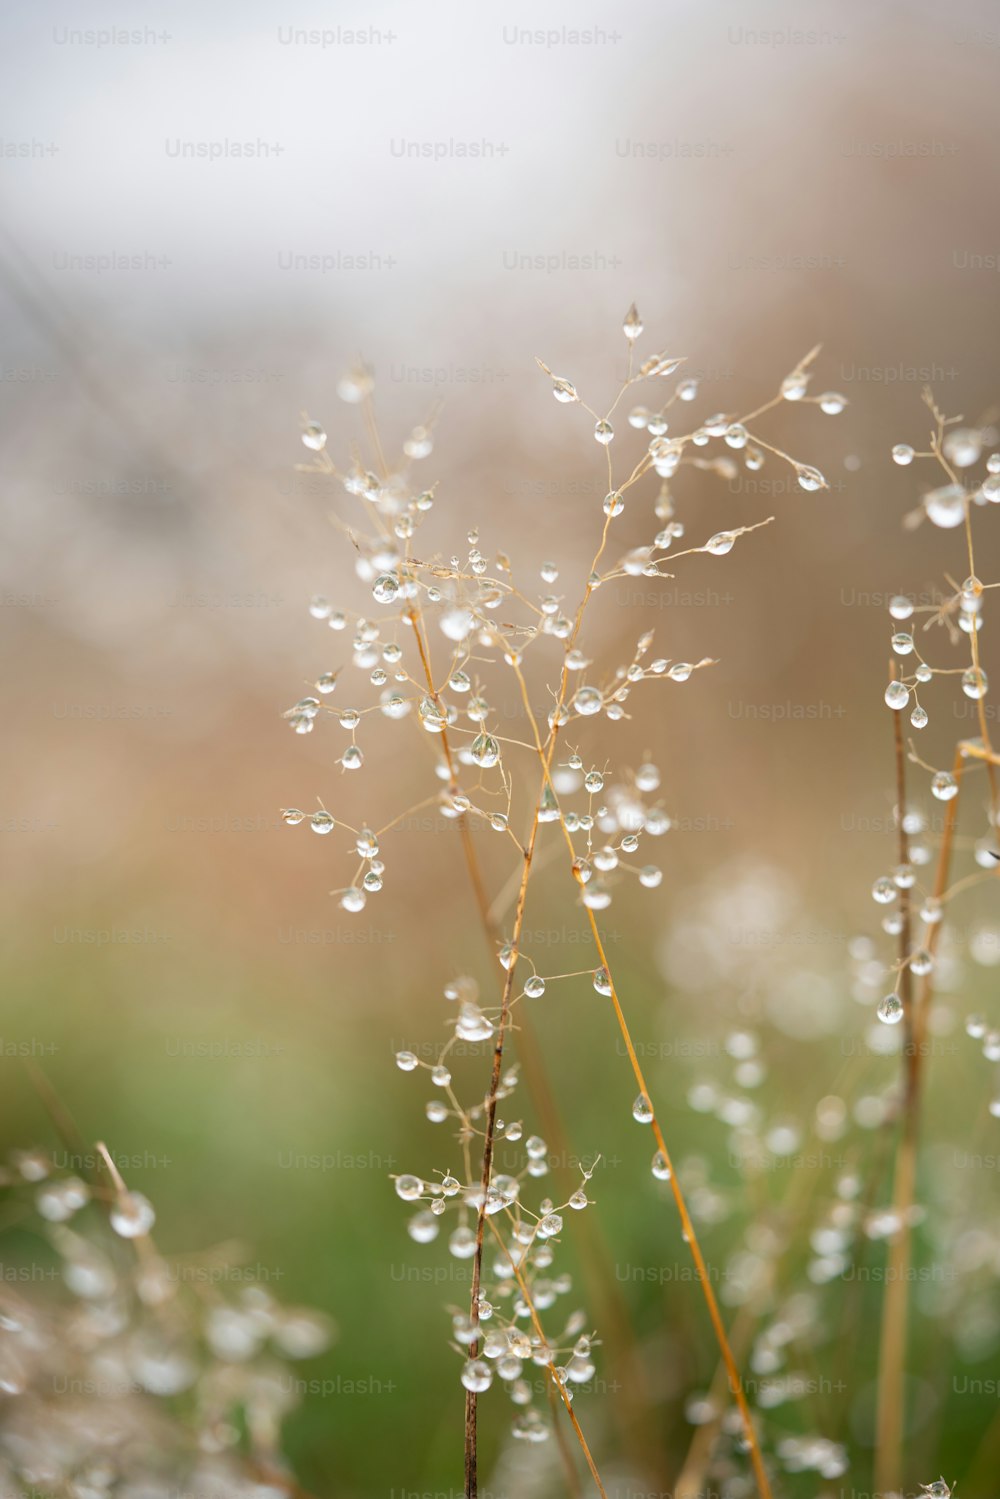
(759, 179)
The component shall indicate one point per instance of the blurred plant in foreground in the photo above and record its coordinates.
(135, 1375)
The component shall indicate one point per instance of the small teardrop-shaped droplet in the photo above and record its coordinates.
(485, 751)
(884, 891)
(975, 683)
(918, 718)
(322, 822)
(564, 390)
(602, 981)
(660, 1168)
(832, 402)
(603, 432)
(314, 437)
(897, 695)
(721, 543)
(632, 325)
(794, 386)
(642, 1110)
(809, 478)
(890, 1010)
(944, 786)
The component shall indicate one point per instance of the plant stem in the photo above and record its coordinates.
(687, 1227)
(892, 1342)
(555, 1383)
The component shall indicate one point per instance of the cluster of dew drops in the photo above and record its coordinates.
(605, 834)
(522, 1249)
(947, 508)
(396, 582)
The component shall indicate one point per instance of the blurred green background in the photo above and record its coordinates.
(160, 552)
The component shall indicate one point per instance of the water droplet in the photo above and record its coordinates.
(944, 786)
(564, 390)
(613, 503)
(385, 588)
(632, 325)
(314, 437)
(963, 446)
(409, 1188)
(352, 758)
(897, 695)
(945, 507)
(902, 454)
(642, 1110)
(687, 390)
(832, 402)
(974, 683)
(721, 543)
(603, 432)
(477, 1376)
(535, 986)
(406, 1061)
(650, 876)
(433, 715)
(680, 671)
(602, 981)
(902, 643)
(660, 1168)
(809, 478)
(292, 816)
(485, 751)
(884, 891)
(320, 607)
(353, 900)
(794, 386)
(322, 822)
(132, 1215)
(890, 1010)
(587, 700)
